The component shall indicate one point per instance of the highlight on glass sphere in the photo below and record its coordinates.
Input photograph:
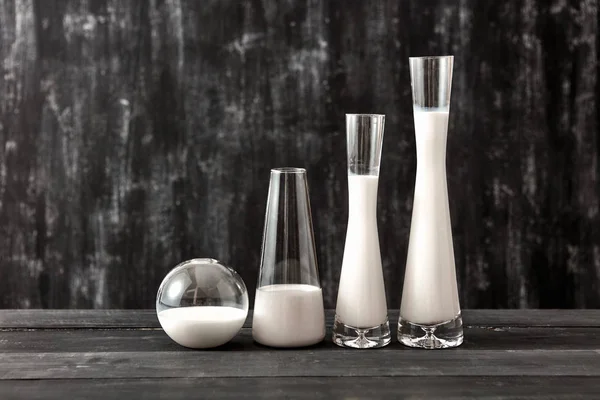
(202, 303)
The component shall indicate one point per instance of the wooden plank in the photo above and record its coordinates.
(533, 317)
(155, 340)
(62, 319)
(308, 362)
(105, 319)
(512, 387)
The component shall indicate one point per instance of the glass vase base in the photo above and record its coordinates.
(361, 338)
(439, 336)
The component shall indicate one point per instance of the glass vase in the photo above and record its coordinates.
(430, 312)
(288, 308)
(361, 318)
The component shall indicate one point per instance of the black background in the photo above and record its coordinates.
(137, 134)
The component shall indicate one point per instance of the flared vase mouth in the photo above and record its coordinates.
(430, 57)
(288, 170)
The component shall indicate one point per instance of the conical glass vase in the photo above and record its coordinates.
(288, 308)
(361, 319)
(430, 312)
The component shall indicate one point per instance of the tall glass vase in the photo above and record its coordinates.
(288, 308)
(361, 319)
(430, 311)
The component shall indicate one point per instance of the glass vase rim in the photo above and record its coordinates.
(288, 170)
(364, 115)
(431, 57)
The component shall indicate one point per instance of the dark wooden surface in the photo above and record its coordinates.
(355, 388)
(101, 319)
(136, 134)
(98, 355)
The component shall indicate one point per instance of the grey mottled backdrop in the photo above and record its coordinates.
(136, 134)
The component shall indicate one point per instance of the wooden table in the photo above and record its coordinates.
(105, 354)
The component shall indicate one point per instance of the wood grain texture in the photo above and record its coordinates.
(83, 319)
(104, 359)
(155, 340)
(137, 134)
(127, 319)
(457, 388)
(315, 362)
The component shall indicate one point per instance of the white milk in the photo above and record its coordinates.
(361, 297)
(288, 315)
(202, 326)
(430, 294)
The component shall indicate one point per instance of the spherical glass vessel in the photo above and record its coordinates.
(202, 303)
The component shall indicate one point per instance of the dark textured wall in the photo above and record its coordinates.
(136, 134)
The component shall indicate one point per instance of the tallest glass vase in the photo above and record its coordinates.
(430, 311)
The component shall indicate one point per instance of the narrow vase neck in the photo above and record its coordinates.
(362, 195)
(431, 133)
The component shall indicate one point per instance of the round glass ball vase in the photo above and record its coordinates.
(202, 303)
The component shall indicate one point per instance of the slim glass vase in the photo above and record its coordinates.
(361, 319)
(430, 311)
(288, 308)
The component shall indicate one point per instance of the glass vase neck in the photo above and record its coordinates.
(364, 137)
(431, 82)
